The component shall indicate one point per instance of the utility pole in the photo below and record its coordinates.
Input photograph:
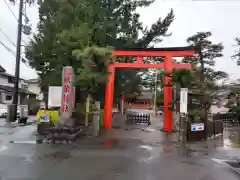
(18, 58)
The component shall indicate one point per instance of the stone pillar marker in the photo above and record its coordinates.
(67, 92)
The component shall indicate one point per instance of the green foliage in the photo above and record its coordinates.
(236, 55)
(184, 77)
(204, 60)
(93, 72)
(234, 96)
(67, 28)
(235, 109)
(160, 98)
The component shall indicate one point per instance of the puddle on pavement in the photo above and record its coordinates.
(142, 129)
(3, 148)
(233, 140)
(189, 152)
(148, 148)
(57, 155)
(150, 130)
(27, 142)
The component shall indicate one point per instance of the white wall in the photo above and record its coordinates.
(216, 109)
(3, 98)
(34, 88)
(4, 82)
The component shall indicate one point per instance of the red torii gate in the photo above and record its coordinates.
(168, 66)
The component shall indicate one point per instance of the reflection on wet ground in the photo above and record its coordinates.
(138, 153)
(232, 137)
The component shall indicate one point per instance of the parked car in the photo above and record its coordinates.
(3, 111)
(159, 112)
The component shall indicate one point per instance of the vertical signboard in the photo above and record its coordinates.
(67, 92)
(183, 100)
(73, 96)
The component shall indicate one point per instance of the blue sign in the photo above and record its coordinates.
(44, 118)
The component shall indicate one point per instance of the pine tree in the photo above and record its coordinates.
(236, 55)
(204, 60)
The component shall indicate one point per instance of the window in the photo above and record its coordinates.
(24, 86)
(8, 98)
(10, 79)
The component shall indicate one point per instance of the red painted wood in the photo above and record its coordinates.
(107, 123)
(167, 119)
(139, 60)
(152, 66)
(167, 65)
(153, 53)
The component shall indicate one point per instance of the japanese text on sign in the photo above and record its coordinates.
(67, 79)
(67, 76)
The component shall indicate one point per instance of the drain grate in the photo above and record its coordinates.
(233, 164)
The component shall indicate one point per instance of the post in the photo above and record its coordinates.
(167, 121)
(107, 122)
(183, 113)
(96, 119)
(122, 105)
(155, 93)
(18, 58)
(175, 107)
(87, 110)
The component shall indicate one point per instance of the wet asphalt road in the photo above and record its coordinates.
(140, 153)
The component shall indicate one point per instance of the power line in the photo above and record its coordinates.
(14, 17)
(7, 48)
(10, 42)
(11, 10)
(7, 37)
(1, 30)
(12, 52)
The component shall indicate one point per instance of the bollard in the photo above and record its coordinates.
(10, 109)
(95, 123)
(23, 111)
(23, 114)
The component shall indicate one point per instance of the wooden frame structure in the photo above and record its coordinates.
(168, 66)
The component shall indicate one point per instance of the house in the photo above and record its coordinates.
(33, 86)
(7, 88)
(144, 100)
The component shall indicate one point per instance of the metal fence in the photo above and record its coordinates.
(136, 118)
(229, 117)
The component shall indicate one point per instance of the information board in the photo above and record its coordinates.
(197, 127)
(183, 100)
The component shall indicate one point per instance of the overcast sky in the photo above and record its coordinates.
(219, 17)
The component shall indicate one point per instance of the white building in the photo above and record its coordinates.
(7, 88)
(33, 86)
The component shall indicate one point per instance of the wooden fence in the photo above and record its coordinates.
(212, 128)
